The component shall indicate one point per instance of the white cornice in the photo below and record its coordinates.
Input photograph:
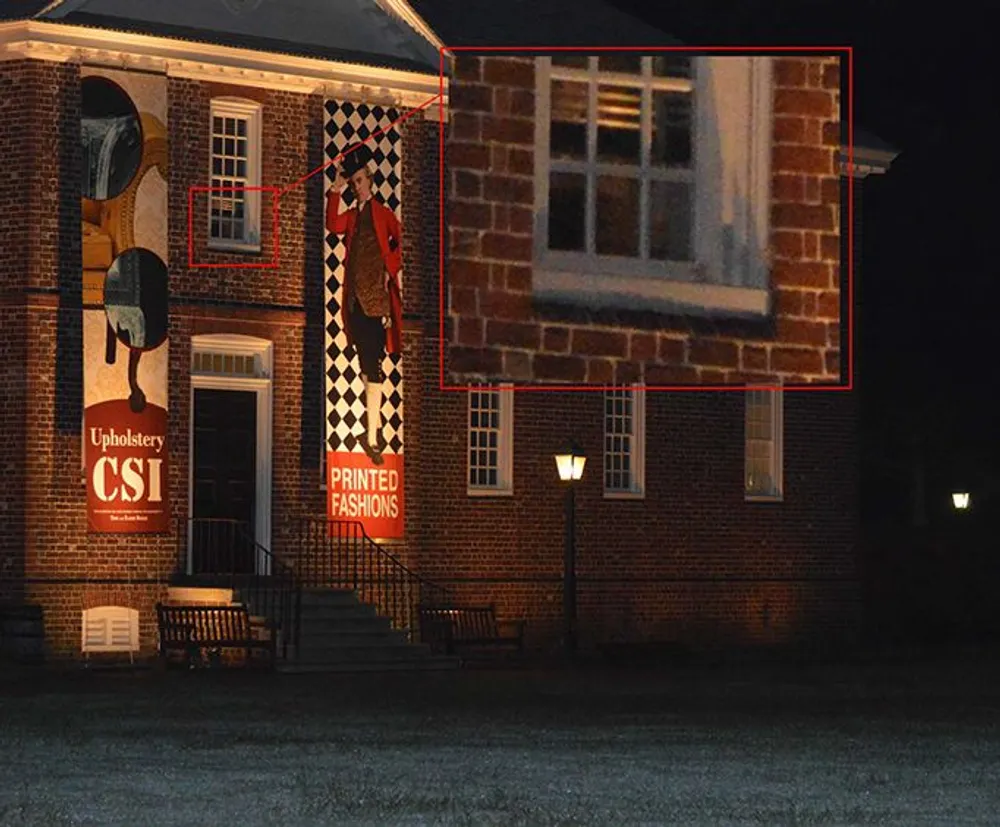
(405, 12)
(62, 43)
(866, 161)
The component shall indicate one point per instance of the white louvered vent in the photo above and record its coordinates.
(110, 629)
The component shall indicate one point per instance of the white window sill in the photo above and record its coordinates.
(764, 498)
(624, 495)
(490, 492)
(233, 246)
(648, 292)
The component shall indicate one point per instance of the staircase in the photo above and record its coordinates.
(340, 604)
(339, 633)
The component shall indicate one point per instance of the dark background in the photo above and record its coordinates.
(928, 286)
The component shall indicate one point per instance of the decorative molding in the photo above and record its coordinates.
(61, 43)
(405, 12)
(650, 293)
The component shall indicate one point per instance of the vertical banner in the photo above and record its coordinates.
(124, 209)
(364, 377)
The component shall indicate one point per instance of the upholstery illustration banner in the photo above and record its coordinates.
(124, 227)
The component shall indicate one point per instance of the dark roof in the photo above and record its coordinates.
(865, 139)
(536, 23)
(357, 31)
(21, 9)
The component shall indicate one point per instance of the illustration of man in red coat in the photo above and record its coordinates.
(371, 306)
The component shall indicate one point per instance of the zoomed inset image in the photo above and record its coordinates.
(670, 217)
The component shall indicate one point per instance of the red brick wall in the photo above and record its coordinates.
(15, 121)
(692, 560)
(497, 329)
(693, 524)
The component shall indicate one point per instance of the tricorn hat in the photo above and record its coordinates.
(355, 157)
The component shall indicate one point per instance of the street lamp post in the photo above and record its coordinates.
(570, 465)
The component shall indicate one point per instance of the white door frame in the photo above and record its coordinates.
(261, 385)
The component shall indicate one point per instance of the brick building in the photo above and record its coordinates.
(176, 361)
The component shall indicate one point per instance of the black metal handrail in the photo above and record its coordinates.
(224, 549)
(339, 554)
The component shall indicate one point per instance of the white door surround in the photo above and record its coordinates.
(219, 374)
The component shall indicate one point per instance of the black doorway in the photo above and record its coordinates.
(225, 476)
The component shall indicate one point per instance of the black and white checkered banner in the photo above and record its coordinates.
(348, 123)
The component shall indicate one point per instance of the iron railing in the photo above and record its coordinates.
(339, 554)
(223, 551)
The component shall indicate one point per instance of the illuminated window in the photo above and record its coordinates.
(763, 455)
(624, 442)
(654, 170)
(491, 440)
(234, 214)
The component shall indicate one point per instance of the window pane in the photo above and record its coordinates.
(576, 61)
(670, 221)
(241, 128)
(567, 212)
(618, 124)
(672, 66)
(568, 133)
(617, 216)
(629, 62)
(671, 129)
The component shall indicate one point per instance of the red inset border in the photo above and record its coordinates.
(847, 51)
(237, 265)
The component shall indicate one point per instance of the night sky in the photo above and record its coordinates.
(929, 289)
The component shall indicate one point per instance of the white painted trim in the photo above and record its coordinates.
(777, 448)
(505, 449)
(707, 285)
(405, 12)
(649, 293)
(262, 386)
(62, 43)
(638, 490)
(252, 111)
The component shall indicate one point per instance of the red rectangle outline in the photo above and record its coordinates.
(848, 50)
(275, 228)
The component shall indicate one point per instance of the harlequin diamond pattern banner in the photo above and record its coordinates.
(364, 460)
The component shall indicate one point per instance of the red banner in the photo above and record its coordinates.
(370, 494)
(126, 468)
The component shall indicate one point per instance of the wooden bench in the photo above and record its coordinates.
(194, 629)
(450, 629)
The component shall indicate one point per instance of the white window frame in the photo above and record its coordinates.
(505, 444)
(637, 447)
(730, 220)
(777, 427)
(224, 107)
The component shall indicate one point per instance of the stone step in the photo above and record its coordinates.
(346, 623)
(338, 610)
(372, 637)
(432, 663)
(330, 597)
(355, 653)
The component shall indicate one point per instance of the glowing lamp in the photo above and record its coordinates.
(570, 464)
(960, 499)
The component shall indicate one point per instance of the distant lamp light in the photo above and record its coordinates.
(570, 464)
(960, 499)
